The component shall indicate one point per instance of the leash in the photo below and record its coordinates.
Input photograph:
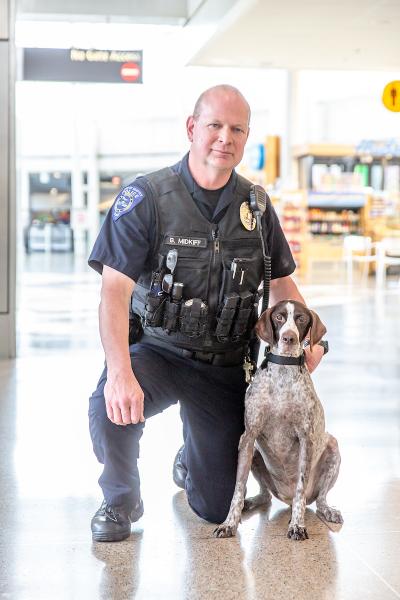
(297, 361)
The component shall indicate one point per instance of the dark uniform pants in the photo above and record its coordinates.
(212, 412)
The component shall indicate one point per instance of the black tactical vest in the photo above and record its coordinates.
(206, 253)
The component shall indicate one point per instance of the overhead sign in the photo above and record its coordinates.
(76, 64)
(391, 96)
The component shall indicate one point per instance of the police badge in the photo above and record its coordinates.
(246, 216)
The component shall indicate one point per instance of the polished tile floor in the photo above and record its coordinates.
(48, 473)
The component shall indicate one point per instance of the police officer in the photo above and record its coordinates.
(182, 243)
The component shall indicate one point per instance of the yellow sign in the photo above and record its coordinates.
(391, 96)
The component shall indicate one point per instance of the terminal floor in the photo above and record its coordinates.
(48, 473)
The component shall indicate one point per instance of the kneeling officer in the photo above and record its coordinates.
(180, 248)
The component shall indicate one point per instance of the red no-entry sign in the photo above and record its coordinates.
(130, 71)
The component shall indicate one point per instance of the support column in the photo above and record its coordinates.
(7, 182)
(289, 173)
(93, 188)
(78, 208)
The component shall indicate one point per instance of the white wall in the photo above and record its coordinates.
(345, 107)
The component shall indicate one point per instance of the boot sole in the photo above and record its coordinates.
(107, 537)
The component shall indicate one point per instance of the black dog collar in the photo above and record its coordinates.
(297, 361)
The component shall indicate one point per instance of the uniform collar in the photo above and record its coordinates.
(197, 192)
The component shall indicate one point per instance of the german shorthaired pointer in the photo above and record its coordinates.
(285, 443)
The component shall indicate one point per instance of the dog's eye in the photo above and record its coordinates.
(279, 317)
(301, 318)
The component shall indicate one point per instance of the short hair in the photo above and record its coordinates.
(223, 88)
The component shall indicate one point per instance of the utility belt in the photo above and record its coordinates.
(231, 358)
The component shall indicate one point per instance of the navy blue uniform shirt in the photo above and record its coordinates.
(127, 236)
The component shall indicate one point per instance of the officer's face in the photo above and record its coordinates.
(220, 131)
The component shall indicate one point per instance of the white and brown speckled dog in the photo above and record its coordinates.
(285, 443)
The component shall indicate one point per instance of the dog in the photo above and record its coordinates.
(285, 443)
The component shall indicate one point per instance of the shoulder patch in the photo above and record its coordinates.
(126, 201)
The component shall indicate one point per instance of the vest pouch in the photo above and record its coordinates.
(154, 310)
(244, 317)
(226, 316)
(192, 269)
(194, 318)
(238, 276)
(171, 316)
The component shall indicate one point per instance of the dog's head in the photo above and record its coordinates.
(285, 325)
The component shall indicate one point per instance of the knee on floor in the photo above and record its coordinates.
(210, 507)
(211, 514)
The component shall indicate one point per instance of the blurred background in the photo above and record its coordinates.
(93, 94)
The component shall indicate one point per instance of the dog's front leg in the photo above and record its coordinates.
(297, 530)
(229, 526)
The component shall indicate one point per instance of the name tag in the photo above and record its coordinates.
(177, 240)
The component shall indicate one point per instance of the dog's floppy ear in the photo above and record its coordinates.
(317, 329)
(264, 328)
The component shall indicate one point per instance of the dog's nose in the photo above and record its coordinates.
(289, 337)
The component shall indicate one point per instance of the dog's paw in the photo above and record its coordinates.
(332, 515)
(251, 503)
(256, 501)
(297, 533)
(224, 531)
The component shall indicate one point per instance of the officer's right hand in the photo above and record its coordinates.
(124, 398)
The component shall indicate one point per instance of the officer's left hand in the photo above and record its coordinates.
(313, 358)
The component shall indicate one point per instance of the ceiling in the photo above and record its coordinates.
(306, 34)
(138, 11)
(293, 34)
(166, 12)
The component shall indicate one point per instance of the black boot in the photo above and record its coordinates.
(113, 523)
(179, 471)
